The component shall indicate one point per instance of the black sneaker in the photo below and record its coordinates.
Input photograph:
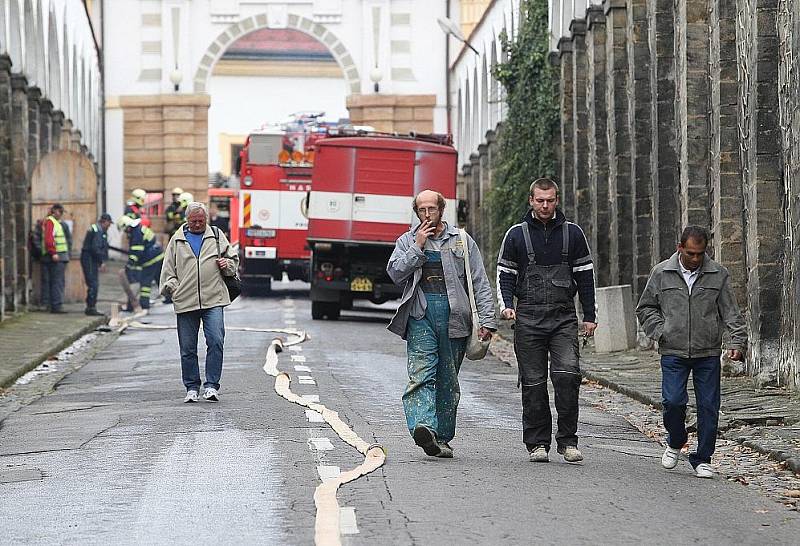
(426, 439)
(58, 311)
(92, 312)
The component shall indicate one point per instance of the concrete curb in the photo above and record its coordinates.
(792, 462)
(9, 377)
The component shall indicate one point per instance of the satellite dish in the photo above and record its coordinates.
(449, 27)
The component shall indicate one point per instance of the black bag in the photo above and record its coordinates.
(233, 284)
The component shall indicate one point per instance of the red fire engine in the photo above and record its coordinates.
(360, 203)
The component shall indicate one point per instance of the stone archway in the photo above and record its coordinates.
(294, 22)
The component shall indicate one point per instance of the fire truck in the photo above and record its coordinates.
(274, 169)
(360, 203)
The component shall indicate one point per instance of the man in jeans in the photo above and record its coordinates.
(686, 306)
(192, 275)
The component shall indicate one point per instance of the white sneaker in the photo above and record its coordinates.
(211, 395)
(703, 470)
(191, 396)
(571, 454)
(539, 455)
(669, 459)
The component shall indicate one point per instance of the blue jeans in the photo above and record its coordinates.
(214, 330)
(431, 397)
(706, 378)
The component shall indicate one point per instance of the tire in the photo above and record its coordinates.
(321, 309)
(317, 310)
(260, 288)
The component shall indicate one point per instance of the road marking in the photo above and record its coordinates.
(296, 348)
(307, 380)
(298, 358)
(290, 322)
(302, 369)
(347, 520)
(311, 398)
(328, 472)
(321, 444)
(314, 416)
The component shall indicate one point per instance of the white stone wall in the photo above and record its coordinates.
(51, 43)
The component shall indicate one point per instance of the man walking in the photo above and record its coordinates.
(685, 307)
(94, 253)
(435, 318)
(543, 262)
(197, 257)
(55, 255)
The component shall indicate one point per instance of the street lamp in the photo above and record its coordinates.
(176, 76)
(452, 29)
(376, 76)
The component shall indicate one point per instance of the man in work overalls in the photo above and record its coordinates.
(543, 262)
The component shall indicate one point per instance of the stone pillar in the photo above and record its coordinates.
(24, 265)
(724, 170)
(693, 99)
(20, 149)
(581, 200)
(640, 124)
(567, 131)
(619, 144)
(758, 50)
(485, 228)
(393, 113)
(45, 127)
(666, 209)
(6, 231)
(597, 142)
(56, 125)
(474, 185)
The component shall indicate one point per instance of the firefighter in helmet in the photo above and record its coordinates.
(175, 212)
(134, 206)
(145, 257)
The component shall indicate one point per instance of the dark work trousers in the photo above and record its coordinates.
(91, 274)
(706, 378)
(53, 283)
(146, 277)
(547, 326)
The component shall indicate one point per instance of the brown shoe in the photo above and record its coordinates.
(426, 439)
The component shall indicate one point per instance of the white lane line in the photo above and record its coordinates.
(304, 369)
(314, 416)
(328, 472)
(298, 358)
(347, 520)
(321, 444)
(296, 348)
(312, 398)
(309, 381)
(290, 322)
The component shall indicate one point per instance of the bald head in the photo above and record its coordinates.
(429, 198)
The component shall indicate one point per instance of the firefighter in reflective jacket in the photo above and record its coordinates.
(145, 257)
(176, 211)
(134, 206)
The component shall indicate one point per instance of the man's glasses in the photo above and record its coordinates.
(427, 210)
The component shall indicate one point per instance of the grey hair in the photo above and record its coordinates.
(195, 205)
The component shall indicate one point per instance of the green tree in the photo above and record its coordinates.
(527, 137)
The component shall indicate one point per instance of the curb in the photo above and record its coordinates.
(793, 463)
(9, 379)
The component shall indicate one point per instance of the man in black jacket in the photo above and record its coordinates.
(93, 253)
(543, 262)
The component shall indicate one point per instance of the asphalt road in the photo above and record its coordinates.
(114, 455)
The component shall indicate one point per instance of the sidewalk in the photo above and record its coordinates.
(765, 420)
(31, 338)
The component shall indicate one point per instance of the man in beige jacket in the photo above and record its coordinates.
(195, 261)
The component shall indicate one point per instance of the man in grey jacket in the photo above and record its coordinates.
(686, 306)
(435, 319)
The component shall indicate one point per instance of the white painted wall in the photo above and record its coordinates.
(241, 104)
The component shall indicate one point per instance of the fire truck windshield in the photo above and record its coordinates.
(264, 149)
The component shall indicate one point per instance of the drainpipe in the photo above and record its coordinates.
(447, 73)
(104, 197)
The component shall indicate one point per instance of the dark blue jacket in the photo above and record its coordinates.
(95, 244)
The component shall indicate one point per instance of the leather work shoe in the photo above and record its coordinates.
(539, 455)
(426, 439)
(571, 454)
(92, 312)
(446, 451)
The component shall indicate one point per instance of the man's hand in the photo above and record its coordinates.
(55, 257)
(509, 314)
(589, 328)
(222, 263)
(735, 354)
(103, 267)
(426, 229)
(485, 334)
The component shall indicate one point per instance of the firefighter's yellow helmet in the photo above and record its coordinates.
(138, 195)
(177, 191)
(124, 221)
(186, 198)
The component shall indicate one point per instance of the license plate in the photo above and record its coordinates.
(361, 284)
(260, 233)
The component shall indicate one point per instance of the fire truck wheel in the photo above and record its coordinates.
(259, 288)
(321, 309)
